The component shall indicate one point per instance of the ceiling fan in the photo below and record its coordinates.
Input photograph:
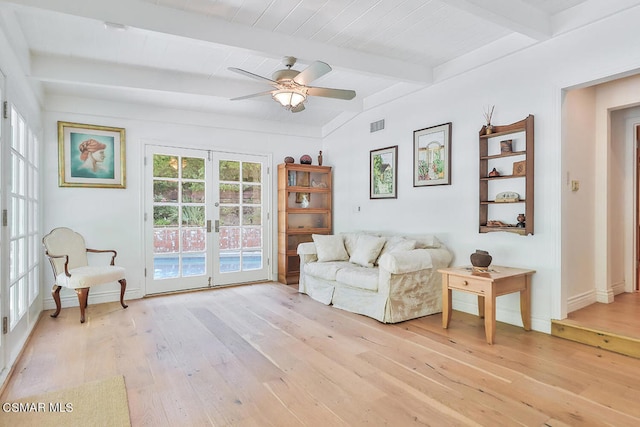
(290, 87)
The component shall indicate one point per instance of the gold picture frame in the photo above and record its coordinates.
(91, 156)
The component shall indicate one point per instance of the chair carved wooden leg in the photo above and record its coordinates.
(123, 287)
(55, 291)
(83, 293)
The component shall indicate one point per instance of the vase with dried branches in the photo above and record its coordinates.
(488, 113)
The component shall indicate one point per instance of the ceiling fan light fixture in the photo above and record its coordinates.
(289, 98)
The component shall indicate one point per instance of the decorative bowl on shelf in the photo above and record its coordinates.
(289, 159)
(305, 160)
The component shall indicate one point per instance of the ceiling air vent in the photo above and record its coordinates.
(376, 126)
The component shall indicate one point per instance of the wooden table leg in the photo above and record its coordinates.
(481, 306)
(490, 317)
(525, 303)
(446, 301)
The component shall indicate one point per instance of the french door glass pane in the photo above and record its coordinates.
(240, 234)
(179, 216)
(23, 199)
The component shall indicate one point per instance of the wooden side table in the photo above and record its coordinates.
(487, 286)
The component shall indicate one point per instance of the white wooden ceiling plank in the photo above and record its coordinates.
(322, 18)
(449, 33)
(299, 16)
(275, 13)
(342, 20)
(554, 6)
(515, 15)
(249, 12)
(376, 17)
(588, 12)
(397, 43)
(208, 29)
(396, 22)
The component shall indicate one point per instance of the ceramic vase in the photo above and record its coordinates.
(481, 259)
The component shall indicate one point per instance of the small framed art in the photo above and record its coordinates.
(432, 156)
(383, 173)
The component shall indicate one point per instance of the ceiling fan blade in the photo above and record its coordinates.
(314, 71)
(253, 95)
(331, 93)
(253, 76)
(298, 108)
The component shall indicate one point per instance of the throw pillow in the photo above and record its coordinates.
(330, 247)
(350, 241)
(367, 250)
(397, 243)
(428, 241)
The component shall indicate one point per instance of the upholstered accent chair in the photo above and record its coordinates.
(67, 253)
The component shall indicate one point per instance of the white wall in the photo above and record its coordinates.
(113, 218)
(528, 82)
(578, 207)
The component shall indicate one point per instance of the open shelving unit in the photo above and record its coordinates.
(304, 209)
(521, 135)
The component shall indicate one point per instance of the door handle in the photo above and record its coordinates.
(217, 226)
(208, 226)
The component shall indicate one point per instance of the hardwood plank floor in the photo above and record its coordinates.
(264, 355)
(613, 326)
(620, 316)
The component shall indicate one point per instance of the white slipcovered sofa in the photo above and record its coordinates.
(389, 278)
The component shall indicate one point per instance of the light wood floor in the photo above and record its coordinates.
(622, 316)
(264, 355)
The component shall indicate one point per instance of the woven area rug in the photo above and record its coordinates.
(98, 403)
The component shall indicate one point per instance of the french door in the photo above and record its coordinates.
(206, 218)
(20, 246)
(4, 291)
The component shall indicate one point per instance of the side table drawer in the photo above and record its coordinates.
(467, 284)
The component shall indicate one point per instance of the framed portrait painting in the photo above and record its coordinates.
(432, 156)
(384, 173)
(91, 156)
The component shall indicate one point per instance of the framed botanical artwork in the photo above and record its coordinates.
(384, 173)
(91, 156)
(432, 156)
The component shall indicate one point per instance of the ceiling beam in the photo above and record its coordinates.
(161, 19)
(52, 68)
(514, 15)
(58, 69)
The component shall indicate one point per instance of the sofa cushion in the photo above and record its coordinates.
(397, 244)
(358, 277)
(330, 247)
(325, 270)
(367, 250)
(426, 241)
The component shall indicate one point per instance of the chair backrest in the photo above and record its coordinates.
(64, 241)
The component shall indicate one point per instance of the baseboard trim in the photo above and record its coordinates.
(581, 301)
(68, 298)
(506, 316)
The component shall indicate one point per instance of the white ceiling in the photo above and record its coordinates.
(175, 53)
